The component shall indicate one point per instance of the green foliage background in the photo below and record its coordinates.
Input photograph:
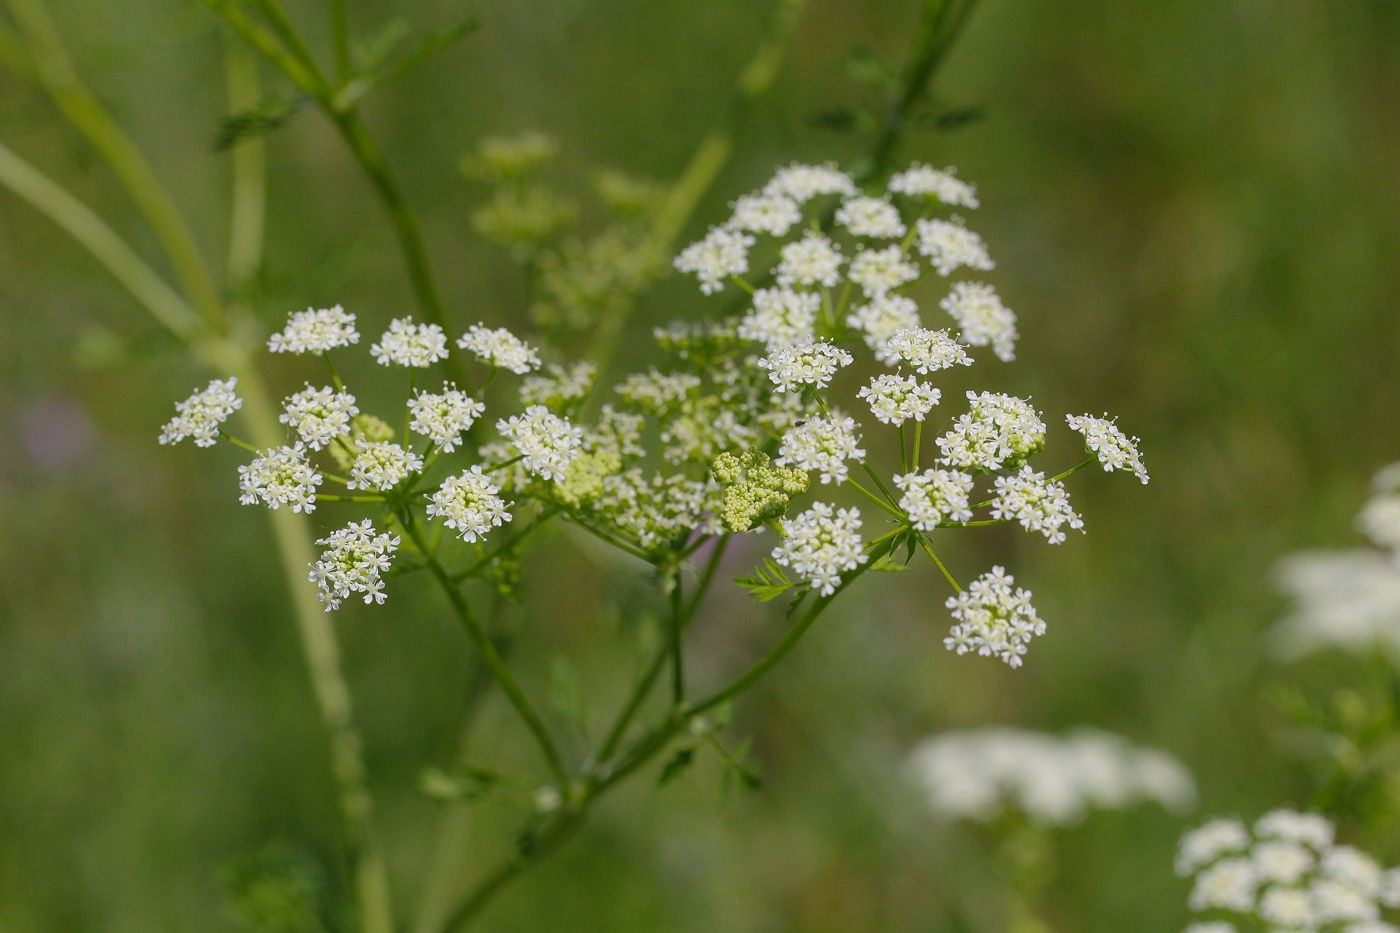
(1195, 207)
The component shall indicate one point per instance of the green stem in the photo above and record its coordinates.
(877, 500)
(245, 445)
(487, 649)
(677, 655)
(90, 118)
(366, 499)
(1093, 458)
(615, 541)
(918, 442)
(105, 245)
(929, 551)
(248, 209)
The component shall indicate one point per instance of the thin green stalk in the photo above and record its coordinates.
(270, 47)
(929, 551)
(877, 500)
(487, 649)
(340, 39)
(653, 670)
(249, 200)
(89, 117)
(106, 246)
(918, 442)
(677, 655)
(1092, 458)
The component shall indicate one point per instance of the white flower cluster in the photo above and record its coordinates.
(999, 432)
(499, 347)
(878, 271)
(801, 183)
(894, 399)
(982, 318)
(1055, 781)
(882, 318)
(935, 496)
(382, 465)
(1115, 450)
(282, 476)
(871, 217)
(469, 504)
(722, 253)
(804, 364)
(559, 386)
(443, 416)
(1288, 874)
(781, 317)
(319, 416)
(316, 331)
(812, 260)
(820, 544)
(927, 351)
(1348, 599)
(656, 392)
(921, 181)
(950, 246)
(408, 344)
(200, 415)
(823, 444)
(547, 443)
(1037, 503)
(773, 214)
(353, 561)
(993, 619)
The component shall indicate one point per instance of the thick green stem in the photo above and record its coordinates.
(83, 110)
(494, 662)
(249, 202)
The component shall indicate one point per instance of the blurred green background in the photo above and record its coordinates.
(1195, 206)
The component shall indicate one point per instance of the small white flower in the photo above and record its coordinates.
(894, 399)
(1282, 861)
(812, 260)
(1116, 450)
(410, 344)
(878, 271)
(281, 476)
(315, 331)
(820, 544)
(781, 317)
(1353, 868)
(442, 417)
(319, 416)
(547, 443)
(773, 214)
(949, 245)
(1207, 843)
(804, 182)
(1379, 520)
(1288, 908)
(657, 392)
(1000, 431)
(982, 318)
(722, 253)
(993, 619)
(1227, 885)
(935, 496)
(921, 181)
(354, 559)
(806, 364)
(927, 351)
(873, 217)
(822, 444)
(1336, 902)
(470, 504)
(883, 317)
(499, 347)
(1037, 503)
(382, 465)
(200, 415)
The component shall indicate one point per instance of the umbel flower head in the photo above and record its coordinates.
(824, 444)
(822, 543)
(353, 561)
(1287, 874)
(316, 331)
(755, 490)
(935, 496)
(319, 416)
(501, 348)
(282, 476)
(200, 415)
(469, 504)
(804, 364)
(1000, 432)
(443, 416)
(1115, 450)
(895, 399)
(408, 344)
(547, 443)
(993, 618)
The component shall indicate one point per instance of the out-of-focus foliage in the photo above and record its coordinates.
(1198, 206)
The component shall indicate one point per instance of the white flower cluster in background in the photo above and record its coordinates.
(1287, 874)
(1053, 780)
(1347, 599)
(499, 347)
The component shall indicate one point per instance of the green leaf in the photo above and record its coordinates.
(766, 583)
(682, 759)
